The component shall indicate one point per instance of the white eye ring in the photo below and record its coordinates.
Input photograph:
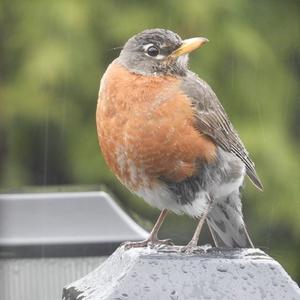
(155, 56)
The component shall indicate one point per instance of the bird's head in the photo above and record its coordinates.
(159, 52)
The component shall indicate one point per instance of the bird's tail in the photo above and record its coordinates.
(226, 223)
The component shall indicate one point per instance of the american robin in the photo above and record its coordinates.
(166, 136)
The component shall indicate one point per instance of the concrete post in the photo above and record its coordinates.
(166, 273)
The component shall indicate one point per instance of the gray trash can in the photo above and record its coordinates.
(50, 239)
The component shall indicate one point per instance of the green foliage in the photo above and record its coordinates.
(52, 56)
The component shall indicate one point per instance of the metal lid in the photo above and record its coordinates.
(63, 224)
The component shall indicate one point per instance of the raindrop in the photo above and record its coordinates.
(173, 295)
(222, 269)
(146, 288)
(154, 277)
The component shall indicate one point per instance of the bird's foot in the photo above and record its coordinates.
(190, 248)
(150, 242)
(159, 243)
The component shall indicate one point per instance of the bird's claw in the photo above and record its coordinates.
(190, 248)
(148, 243)
(129, 245)
(162, 244)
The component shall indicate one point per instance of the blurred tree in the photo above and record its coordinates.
(52, 56)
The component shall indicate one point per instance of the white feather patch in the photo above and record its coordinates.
(199, 206)
(161, 198)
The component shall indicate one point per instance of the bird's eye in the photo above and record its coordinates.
(152, 51)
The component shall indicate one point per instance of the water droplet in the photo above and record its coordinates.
(272, 267)
(274, 282)
(174, 295)
(222, 269)
(154, 277)
(184, 270)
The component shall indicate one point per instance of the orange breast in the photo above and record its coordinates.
(146, 128)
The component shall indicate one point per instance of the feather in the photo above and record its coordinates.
(212, 120)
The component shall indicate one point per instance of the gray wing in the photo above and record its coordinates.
(213, 121)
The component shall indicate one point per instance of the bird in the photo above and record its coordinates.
(167, 138)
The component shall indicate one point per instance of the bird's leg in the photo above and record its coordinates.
(194, 241)
(192, 245)
(152, 239)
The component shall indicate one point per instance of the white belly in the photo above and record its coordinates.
(218, 186)
(161, 198)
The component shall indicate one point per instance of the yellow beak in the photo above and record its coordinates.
(188, 46)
